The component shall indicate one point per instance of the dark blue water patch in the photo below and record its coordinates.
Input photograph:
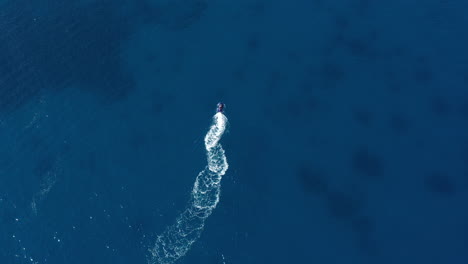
(275, 83)
(77, 45)
(69, 44)
(178, 15)
(440, 106)
(366, 240)
(44, 165)
(361, 7)
(357, 37)
(364, 225)
(312, 181)
(363, 117)
(392, 82)
(346, 208)
(8, 211)
(361, 47)
(330, 74)
(462, 109)
(440, 184)
(171, 15)
(253, 44)
(257, 9)
(399, 123)
(343, 206)
(423, 73)
(367, 164)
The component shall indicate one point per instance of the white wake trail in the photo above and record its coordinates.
(176, 240)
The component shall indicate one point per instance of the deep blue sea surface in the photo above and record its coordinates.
(347, 142)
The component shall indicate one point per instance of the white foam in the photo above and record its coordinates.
(177, 239)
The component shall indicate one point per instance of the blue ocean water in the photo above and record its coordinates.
(347, 140)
